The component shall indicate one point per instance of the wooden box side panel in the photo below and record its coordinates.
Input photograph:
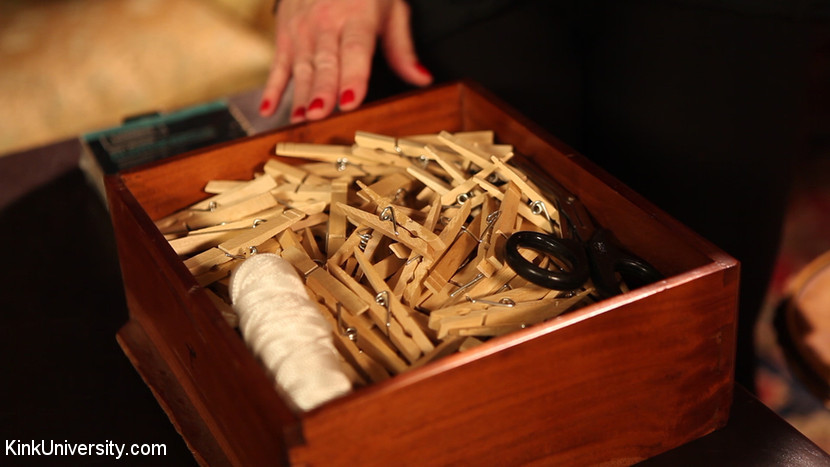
(172, 184)
(619, 387)
(170, 395)
(225, 385)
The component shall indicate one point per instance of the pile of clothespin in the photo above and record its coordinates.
(400, 241)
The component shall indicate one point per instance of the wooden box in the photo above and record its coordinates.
(614, 382)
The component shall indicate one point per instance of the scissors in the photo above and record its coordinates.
(585, 250)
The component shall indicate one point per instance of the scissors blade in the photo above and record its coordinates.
(580, 220)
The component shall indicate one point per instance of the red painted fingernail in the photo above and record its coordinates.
(299, 112)
(423, 69)
(265, 105)
(347, 97)
(316, 104)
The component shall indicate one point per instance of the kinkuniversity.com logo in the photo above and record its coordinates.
(16, 447)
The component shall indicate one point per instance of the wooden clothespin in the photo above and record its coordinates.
(201, 214)
(387, 223)
(388, 266)
(540, 210)
(285, 172)
(323, 284)
(369, 140)
(475, 136)
(318, 152)
(232, 212)
(466, 149)
(411, 148)
(240, 245)
(366, 366)
(290, 192)
(532, 312)
(321, 172)
(316, 219)
(380, 315)
(372, 157)
(359, 330)
(221, 186)
(393, 187)
(398, 310)
(391, 151)
(245, 190)
(465, 189)
(490, 214)
(503, 151)
(498, 314)
(448, 163)
(430, 181)
(202, 239)
(504, 225)
(336, 234)
(215, 273)
(447, 264)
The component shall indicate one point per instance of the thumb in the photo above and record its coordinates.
(399, 48)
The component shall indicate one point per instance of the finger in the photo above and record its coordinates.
(399, 47)
(303, 71)
(278, 78)
(357, 45)
(324, 86)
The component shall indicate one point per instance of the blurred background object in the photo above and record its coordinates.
(72, 66)
(806, 238)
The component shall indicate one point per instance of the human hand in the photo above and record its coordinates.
(326, 46)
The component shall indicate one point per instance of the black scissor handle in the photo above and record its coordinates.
(570, 252)
(607, 259)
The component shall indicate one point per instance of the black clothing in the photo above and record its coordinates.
(696, 104)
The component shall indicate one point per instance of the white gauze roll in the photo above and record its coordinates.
(284, 328)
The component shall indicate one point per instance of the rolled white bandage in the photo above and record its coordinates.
(284, 328)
